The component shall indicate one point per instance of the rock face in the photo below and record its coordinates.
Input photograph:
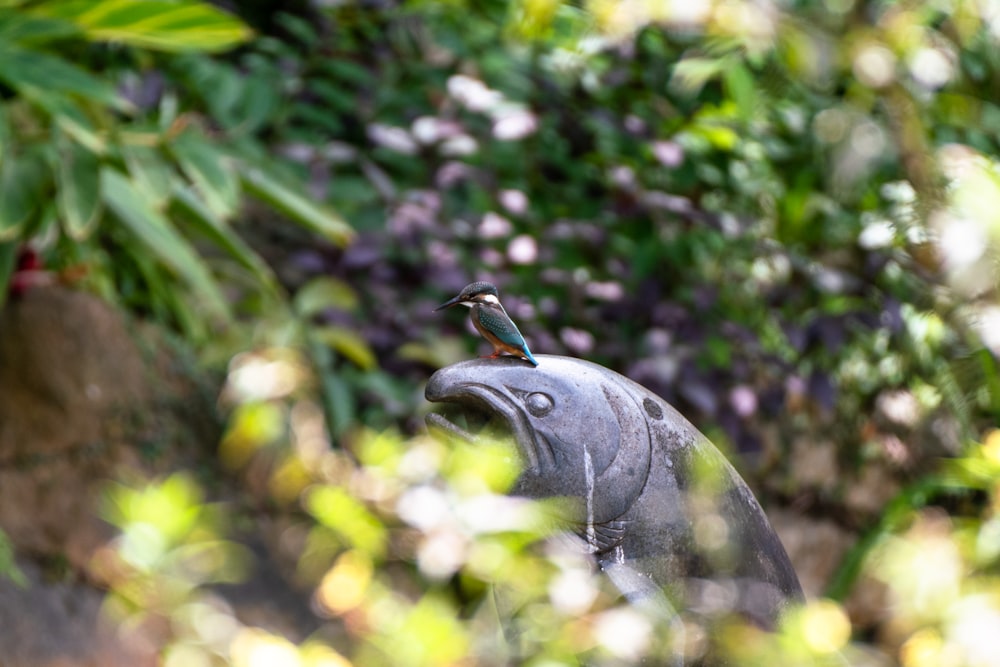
(658, 506)
(73, 385)
(59, 624)
(87, 397)
(84, 398)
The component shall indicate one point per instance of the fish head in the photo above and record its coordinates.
(580, 432)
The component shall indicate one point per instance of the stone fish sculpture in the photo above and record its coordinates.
(663, 513)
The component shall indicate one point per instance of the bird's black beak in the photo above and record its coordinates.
(449, 303)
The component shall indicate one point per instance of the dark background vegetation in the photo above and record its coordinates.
(781, 217)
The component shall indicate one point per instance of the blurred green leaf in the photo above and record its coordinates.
(258, 103)
(489, 463)
(721, 137)
(28, 71)
(151, 228)
(171, 507)
(691, 74)
(339, 401)
(23, 179)
(8, 562)
(22, 28)
(335, 508)
(8, 260)
(303, 31)
(742, 89)
(215, 561)
(421, 352)
(348, 343)
(322, 293)
(6, 139)
(150, 170)
(210, 170)
(241, 100)
(320, 219)
(379, 450)
(430, 629)
(78, 187)
(69, 116)
(223, 87)
(251, 426)
(166, 25)
(216, 230)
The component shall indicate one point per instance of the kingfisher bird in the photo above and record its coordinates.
(491, 320)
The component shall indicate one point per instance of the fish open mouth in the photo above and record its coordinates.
(472, 411)
(465, 422)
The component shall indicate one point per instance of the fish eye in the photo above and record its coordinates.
(539, 404)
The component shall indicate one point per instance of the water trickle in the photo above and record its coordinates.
(588, 468)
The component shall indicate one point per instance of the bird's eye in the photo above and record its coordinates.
(539, 404)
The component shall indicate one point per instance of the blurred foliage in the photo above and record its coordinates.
(101, 167)
(413, 554)
(405, 542)
(8, 565)
(780, 216)
(718, 203)
(170, 545)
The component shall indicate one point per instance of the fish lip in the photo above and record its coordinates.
(437, 423)
(483, 397)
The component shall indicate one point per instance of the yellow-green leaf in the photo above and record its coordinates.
(69, 117)
(323, 293)
(348, 517)
(20, 27)
(691, 74)
(178, 25)
(348, 343)
(150, 172)
(295, 205)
